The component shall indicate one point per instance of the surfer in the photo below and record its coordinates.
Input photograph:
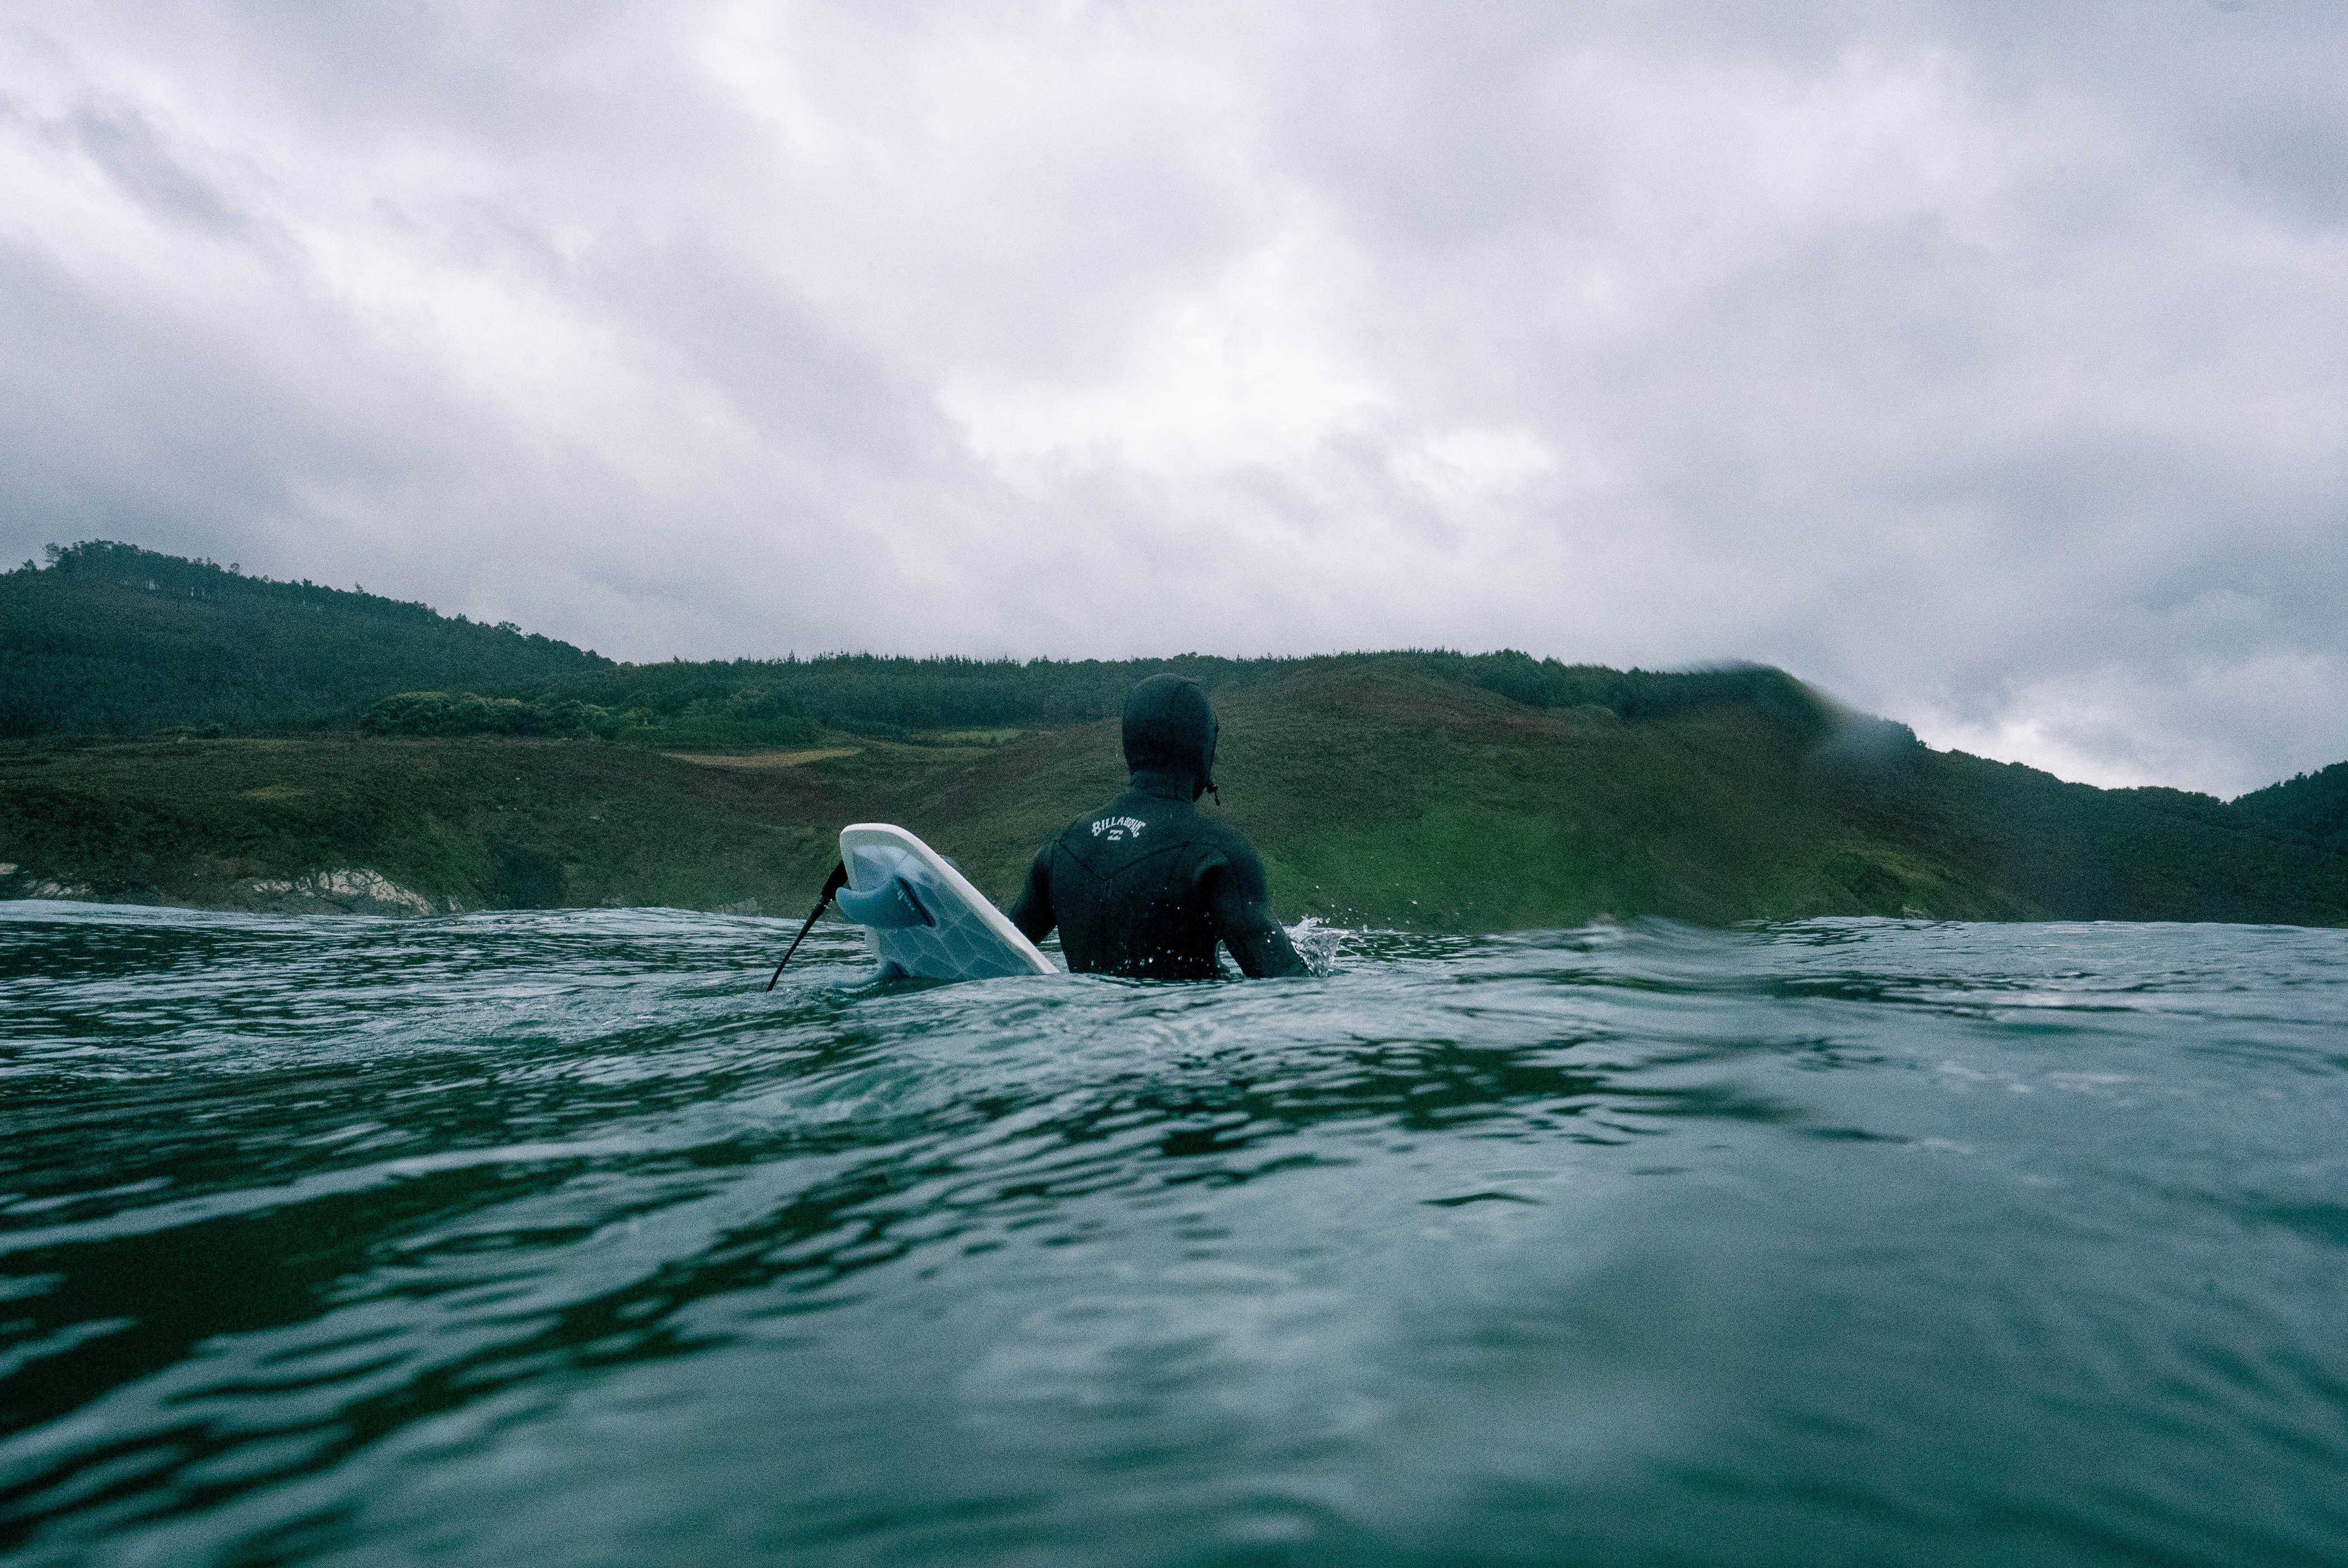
(1146, 886)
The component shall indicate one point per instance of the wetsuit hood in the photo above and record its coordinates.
(1170, 732)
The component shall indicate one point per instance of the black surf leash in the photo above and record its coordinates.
(831, 885)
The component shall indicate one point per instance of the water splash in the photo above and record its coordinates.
(1319, 944)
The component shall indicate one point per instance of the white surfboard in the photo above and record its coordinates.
(922, 918)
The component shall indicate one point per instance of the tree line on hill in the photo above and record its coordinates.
(2310, 808)
(112, 639)
(748, 716)
(109, 639)
(894, 696)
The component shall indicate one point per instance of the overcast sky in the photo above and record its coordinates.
(1984, 364)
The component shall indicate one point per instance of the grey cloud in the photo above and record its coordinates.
(126, 147)
(1983, 362)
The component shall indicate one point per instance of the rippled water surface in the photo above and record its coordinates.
(550, 1239)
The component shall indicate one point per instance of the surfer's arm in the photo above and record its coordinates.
(1032, 914)
(1241, 904)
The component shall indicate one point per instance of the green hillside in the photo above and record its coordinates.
(113, 640)
(1378, 795)
(2312, 809)
(296, 733)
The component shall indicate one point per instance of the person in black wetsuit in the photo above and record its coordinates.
(1146, 886)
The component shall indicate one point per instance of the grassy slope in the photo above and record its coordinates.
(1376, 796)
(2075, 851)
(1403, 800)
(475, 820)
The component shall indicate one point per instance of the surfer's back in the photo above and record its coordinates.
(1149, 885)
(1127, 884)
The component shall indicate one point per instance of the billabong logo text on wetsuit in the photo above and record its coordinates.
(1118, 827)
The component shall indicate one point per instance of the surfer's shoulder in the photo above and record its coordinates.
(1227, 845)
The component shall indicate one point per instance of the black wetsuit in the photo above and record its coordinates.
(1147, 886)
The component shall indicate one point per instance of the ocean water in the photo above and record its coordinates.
(550, 1239)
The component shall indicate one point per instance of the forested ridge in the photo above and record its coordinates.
(336, 729)
(113, 640)
(2311, 808)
